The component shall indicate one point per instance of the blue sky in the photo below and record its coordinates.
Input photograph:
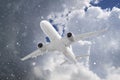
(108, 4)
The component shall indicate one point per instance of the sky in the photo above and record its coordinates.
(20, 33)
(106, 3)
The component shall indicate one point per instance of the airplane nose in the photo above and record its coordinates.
(42, 23)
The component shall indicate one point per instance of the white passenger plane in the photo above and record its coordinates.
(59, 43)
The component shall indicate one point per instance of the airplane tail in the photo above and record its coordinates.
(77, 58)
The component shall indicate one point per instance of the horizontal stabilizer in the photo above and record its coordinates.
(77, 57)
(81, 56)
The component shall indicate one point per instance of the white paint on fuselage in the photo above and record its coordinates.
(56, 42)
(49, 30)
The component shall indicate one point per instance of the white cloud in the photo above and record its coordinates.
(113, 73)
(95, 1)
(65, 72)
(78, 21)
(97, 12)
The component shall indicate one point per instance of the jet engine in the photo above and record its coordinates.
(40, 45)
(70, 36)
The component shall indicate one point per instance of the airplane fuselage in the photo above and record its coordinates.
(56, 42)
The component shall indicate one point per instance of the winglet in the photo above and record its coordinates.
(25, 58)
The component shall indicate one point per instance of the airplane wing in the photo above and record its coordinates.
(77, 38)
(40, 51)
(33, 54)
(87, 35)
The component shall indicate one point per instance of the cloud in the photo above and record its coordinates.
(113, 73)
(95, 1)
(79, 20)
(64, 72)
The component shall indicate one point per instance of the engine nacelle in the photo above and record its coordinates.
(70, 36)
(40, 45)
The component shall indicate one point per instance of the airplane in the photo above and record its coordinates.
(58, 43)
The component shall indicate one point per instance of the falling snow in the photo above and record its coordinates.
(20, 33)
